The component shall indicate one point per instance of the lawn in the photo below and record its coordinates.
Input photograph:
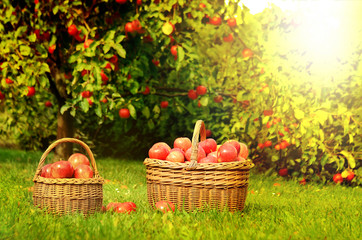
(275, 209)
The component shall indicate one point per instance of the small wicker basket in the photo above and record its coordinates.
(68, 195)
(194, 186)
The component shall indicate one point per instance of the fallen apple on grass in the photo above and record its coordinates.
(165, 206)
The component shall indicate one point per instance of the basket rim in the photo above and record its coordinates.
(76, 181)
(244, 165)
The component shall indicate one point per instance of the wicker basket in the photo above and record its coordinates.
(68, 195)
(198, 186)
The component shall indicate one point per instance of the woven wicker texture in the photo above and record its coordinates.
(67, 195)
(198, 186)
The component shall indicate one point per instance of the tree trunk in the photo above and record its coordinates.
(65, 129)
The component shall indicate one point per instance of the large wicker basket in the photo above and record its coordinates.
(193, 185)
(68, 195)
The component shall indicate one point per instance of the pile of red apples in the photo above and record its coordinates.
(208, 151)
(77, 166)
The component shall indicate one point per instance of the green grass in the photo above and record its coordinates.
(285, 211)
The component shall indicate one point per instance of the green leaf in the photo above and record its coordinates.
(132, 111)
(146, 112)
(120, 50)
(120, 38)
(180, 54)
(106, 47)
(64, 108)
(322, 116)
(98, 110)
(84, 105)
(110, 35)
(25, 50)
(350, 158)
(299, 114)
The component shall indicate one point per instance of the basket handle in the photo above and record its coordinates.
(66, 140)
(199, 131)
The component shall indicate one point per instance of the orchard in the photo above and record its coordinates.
(123, 75)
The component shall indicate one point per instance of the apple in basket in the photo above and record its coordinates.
(78, 159)
(165, 206)
(200, 154)
(62, 169)
(183, 143)
(176, 156)
(209, 145)
(227, 153)
(159, 151)
(208, 159)
(45, 171)
(83, 171)
(244, 152)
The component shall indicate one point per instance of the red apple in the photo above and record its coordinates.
(51, 49)
(164, 104)
(244, 151)
(87, 43)
(2, 96)
(121, 1)
(90, 102)
(200, 154)
(9, 81)
(132, 204)
(174, 50)
(208, 133)
(124, 113)
(212, 155)
(218, 99)
(128, 28)
(268, 143)
(139, 2)
(175, 156)
(72, 30)
(283, 172)
(231, 22)
(183, 143)
(46, 171)
(48, 104)
(216, 20)
(240, 159)
(77, 159)
(235, 143)
(124, 208)
(277, 147)
(160, 152)
(62, 169)
(104, 100)
(87, 94)
(111, 206)
(209, 145)
(31, 91)
(154, 61)
(261, 145)
(227, 153)
(146, 91)
(192, 94)
(178, 149)
(201, 90)
(83, 171)
(208, 160)
(337, 178)
(247, 53)
(136, 25)
(114, 59)
(104, 76)
(162, 144)
(229, 38)
(350, 176)
(165, 206)
(284, 144)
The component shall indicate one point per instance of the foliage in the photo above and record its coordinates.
(271, 94)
